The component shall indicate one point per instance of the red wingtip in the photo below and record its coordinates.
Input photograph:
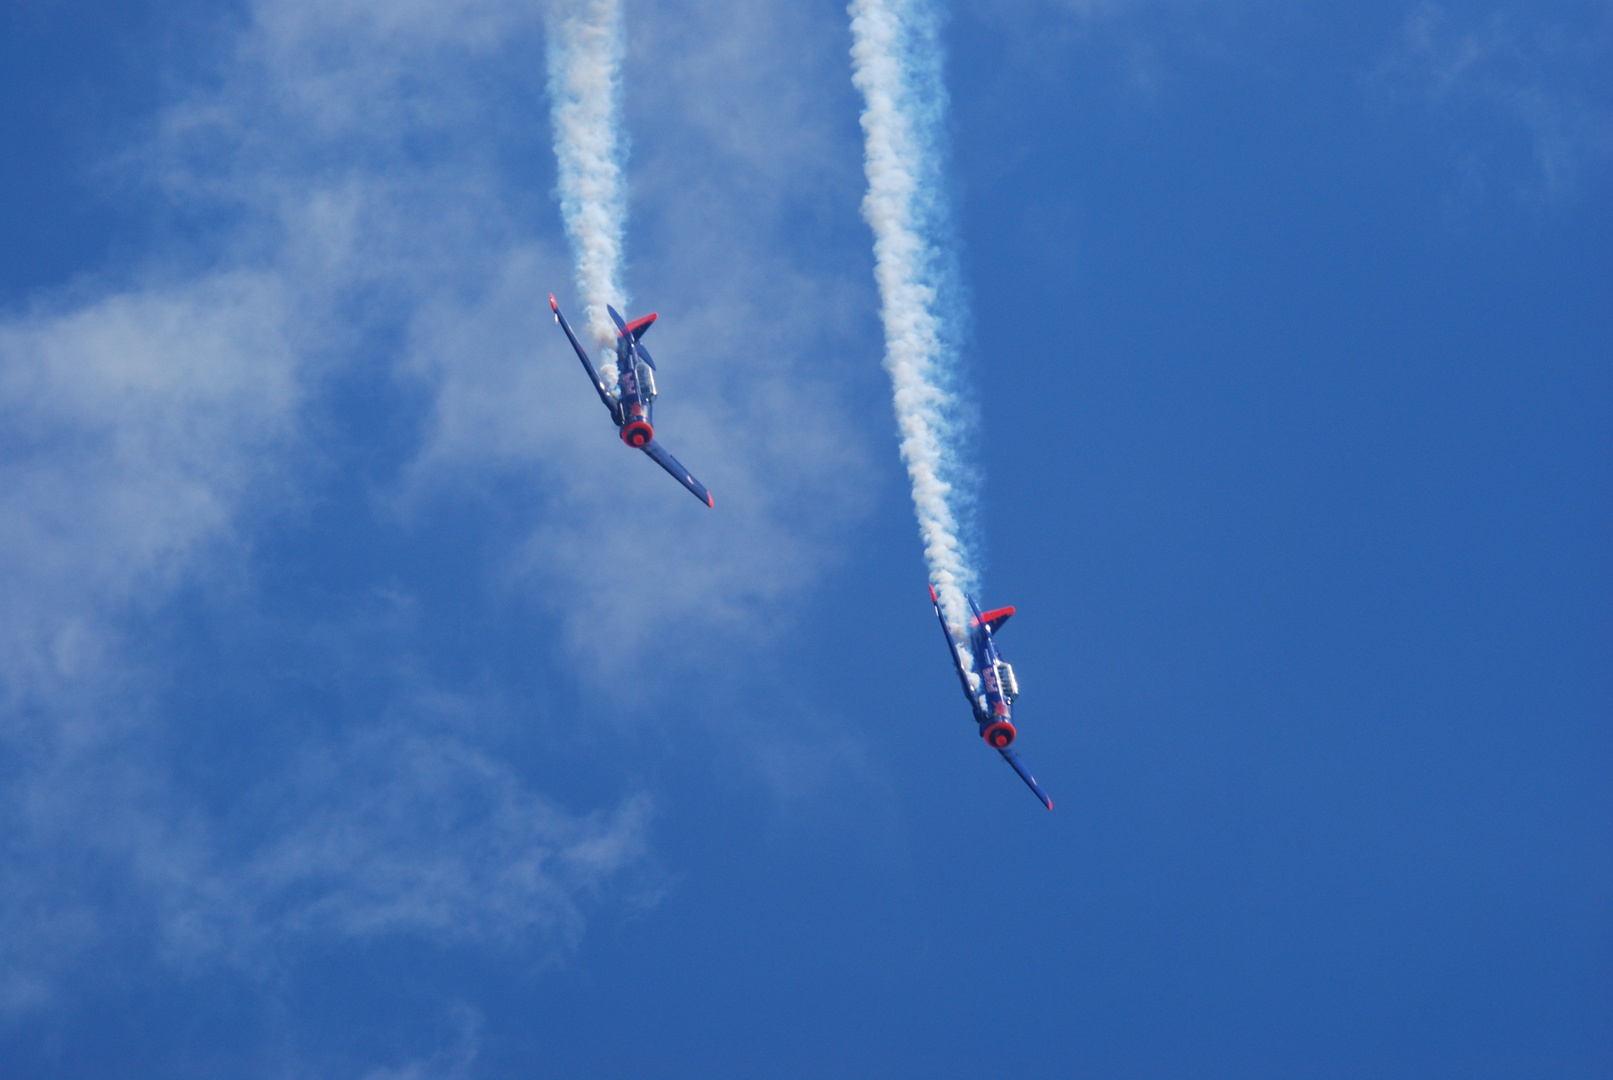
(552, 305)
(710, 501)
(933, 598)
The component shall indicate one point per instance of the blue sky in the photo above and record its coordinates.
(369, 712)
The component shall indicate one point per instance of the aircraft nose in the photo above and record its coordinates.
(999, 734)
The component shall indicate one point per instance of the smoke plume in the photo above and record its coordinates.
(585, 60)
(896, 64)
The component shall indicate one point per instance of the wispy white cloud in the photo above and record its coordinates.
(135, 424)
(1148, 45)
(390, 832)
(1509, 77)
(150, 424)
(453, 1062)
(358, 189)
(402, 833)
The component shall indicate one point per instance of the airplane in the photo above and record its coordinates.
(632, 400)
(992, 692)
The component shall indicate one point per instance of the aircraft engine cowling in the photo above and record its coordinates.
(999, 734)
(637, 434)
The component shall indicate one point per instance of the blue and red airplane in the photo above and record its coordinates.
(632, 400)
(991, 688)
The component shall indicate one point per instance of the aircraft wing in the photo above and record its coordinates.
(679, 473)
(1025, 774)
(952, 647)
(593, 376)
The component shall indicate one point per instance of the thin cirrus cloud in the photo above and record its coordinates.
(372, 178)
(395, 832)
(1516, 90)
(1505, 77)
(134, 424)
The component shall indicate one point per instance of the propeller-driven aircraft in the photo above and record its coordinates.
(991, 687)
(632, 400)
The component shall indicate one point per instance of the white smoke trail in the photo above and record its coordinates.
(896, 63)
(585, 59)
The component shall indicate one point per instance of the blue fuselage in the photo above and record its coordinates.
(990, 703)
(635, 406)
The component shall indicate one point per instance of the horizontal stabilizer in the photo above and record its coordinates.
(636, 328)
(1025, 775)
(992, 620)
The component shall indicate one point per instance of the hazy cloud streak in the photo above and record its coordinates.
(151, 428)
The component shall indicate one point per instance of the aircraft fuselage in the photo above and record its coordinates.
(993, 703)
(633, 397)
